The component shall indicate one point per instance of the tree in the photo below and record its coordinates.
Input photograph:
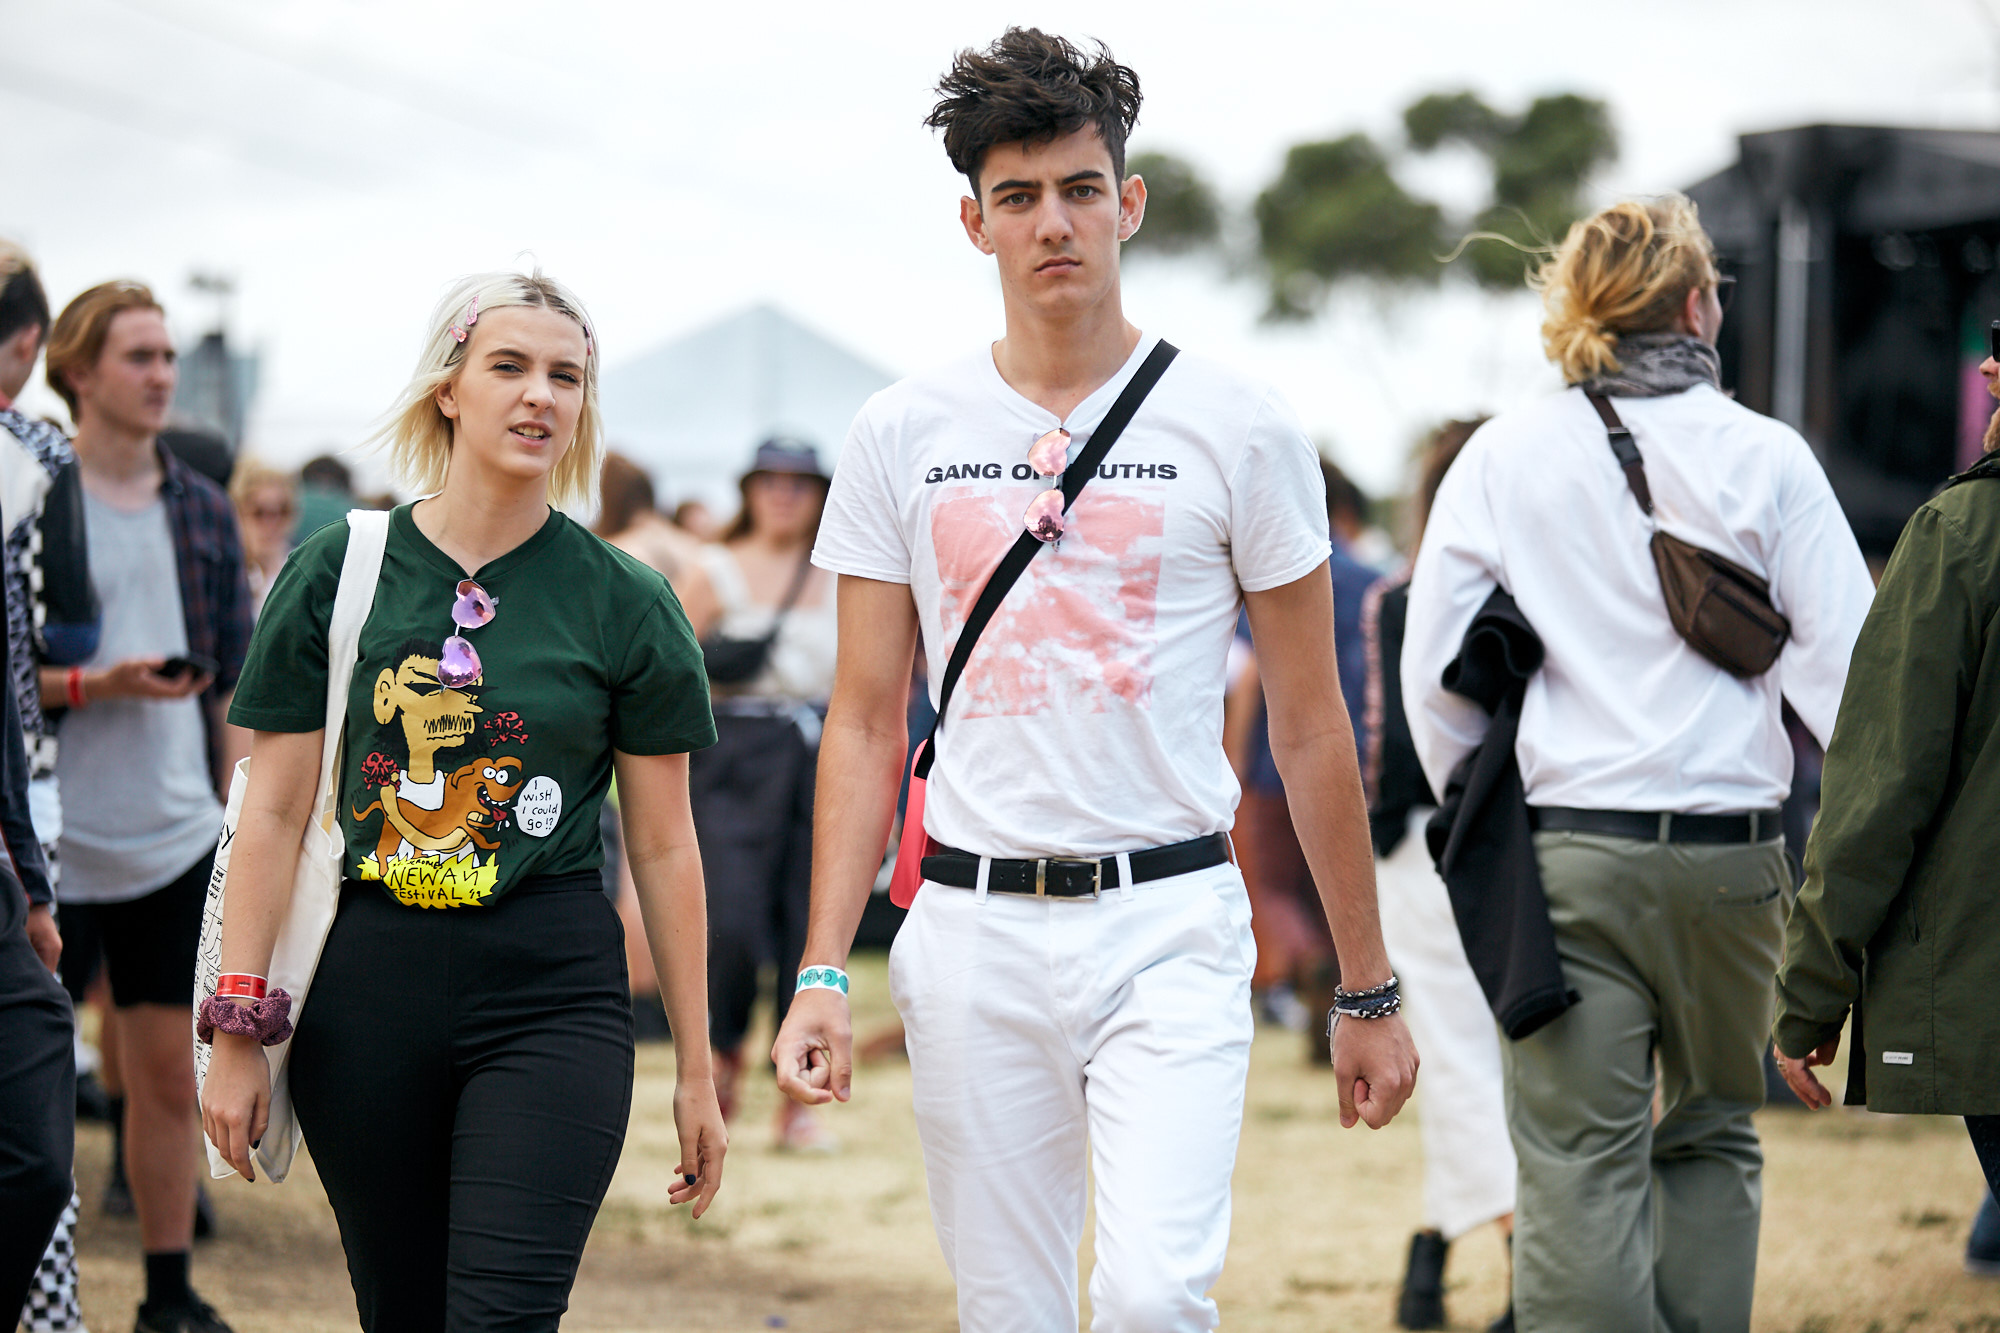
(1541, 162)
(1337, 211)
(1182, 213)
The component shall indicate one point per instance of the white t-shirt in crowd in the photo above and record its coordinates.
(1089, 719)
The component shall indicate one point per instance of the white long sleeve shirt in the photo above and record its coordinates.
(1623, 714)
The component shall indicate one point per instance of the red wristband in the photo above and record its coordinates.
(240, 985)
(73, 687)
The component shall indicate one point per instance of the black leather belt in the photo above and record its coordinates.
(1752, 826)
(1074, 877)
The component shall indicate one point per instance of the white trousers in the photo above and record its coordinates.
(1462, 1111)
(1036, 1026)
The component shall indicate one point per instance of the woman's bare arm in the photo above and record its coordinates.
(666, 871)
(263, 859)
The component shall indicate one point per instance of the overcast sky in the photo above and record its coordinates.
(343, 159)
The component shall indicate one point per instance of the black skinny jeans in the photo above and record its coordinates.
(752, 796)
(463, 1078)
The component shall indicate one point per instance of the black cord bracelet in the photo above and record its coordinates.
(1375, 1002)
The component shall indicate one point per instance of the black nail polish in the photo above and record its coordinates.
(688, 1178)
(256, 1143)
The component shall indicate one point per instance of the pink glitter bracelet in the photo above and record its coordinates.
(268, 1020)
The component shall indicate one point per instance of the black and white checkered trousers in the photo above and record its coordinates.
(52, 1306)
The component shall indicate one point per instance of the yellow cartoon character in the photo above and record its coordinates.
(434, 716)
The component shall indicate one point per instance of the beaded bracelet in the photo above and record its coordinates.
(1390, 987)
(269, 1020)
(1375, 1002)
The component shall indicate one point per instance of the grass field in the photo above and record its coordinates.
(1864, 1222)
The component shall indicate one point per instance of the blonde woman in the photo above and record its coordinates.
(463, 1072)
(267, 508)
(1652, 774)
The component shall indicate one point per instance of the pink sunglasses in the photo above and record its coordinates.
(1048, 456)
(458, 664)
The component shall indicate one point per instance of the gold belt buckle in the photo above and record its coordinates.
(1042, 873)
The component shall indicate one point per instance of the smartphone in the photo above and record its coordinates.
(176, 667)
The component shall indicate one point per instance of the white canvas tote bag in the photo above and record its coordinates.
(316, 883)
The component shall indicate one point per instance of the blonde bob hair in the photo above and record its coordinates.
(418, 434)
(1627, 269)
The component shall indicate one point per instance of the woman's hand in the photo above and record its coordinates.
(236, 1099)
(704, 1140)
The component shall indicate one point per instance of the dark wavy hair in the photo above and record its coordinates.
(1030, 87)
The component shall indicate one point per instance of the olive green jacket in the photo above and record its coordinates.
(1900, 914)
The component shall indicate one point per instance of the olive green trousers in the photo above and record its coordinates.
(1624, 1225)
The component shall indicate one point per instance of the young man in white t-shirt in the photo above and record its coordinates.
(1087, 726)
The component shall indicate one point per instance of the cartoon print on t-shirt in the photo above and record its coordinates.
(1078, 633)
(440, 841)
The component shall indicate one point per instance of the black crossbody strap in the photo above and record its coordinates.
(798, 586)
(1075, 477)
(1628, 452)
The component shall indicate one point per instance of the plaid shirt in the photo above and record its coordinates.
(215, 598)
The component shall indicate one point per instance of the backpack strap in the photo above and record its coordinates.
(1075, 477)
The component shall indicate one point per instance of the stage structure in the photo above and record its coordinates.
(1865, 266)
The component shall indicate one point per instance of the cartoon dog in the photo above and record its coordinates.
(476, 804)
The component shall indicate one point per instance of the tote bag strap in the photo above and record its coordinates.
(367, 537)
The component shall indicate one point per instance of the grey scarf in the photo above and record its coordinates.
(1658, 364)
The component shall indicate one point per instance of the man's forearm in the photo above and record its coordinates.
(860, 769)
(1323, 788)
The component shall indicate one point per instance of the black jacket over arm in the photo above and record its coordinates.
(1481, 837)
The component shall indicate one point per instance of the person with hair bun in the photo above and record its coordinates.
(1652, 772)
(463, 1067)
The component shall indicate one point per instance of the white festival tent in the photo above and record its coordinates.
(693, 410)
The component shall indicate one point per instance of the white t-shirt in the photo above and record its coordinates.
(1623, 714)
(1089, 719)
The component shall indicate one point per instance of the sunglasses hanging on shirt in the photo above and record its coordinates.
(458, 664)
(1048, 456)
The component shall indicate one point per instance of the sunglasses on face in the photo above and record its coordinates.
(1725, 288)
(458, 663)
(1993, 339)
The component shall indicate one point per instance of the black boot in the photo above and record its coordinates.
(1421, 1304)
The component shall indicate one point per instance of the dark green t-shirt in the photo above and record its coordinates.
(449, 797)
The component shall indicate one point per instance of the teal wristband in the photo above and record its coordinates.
(822, 978)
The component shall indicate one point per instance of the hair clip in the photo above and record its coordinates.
(462, 330)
